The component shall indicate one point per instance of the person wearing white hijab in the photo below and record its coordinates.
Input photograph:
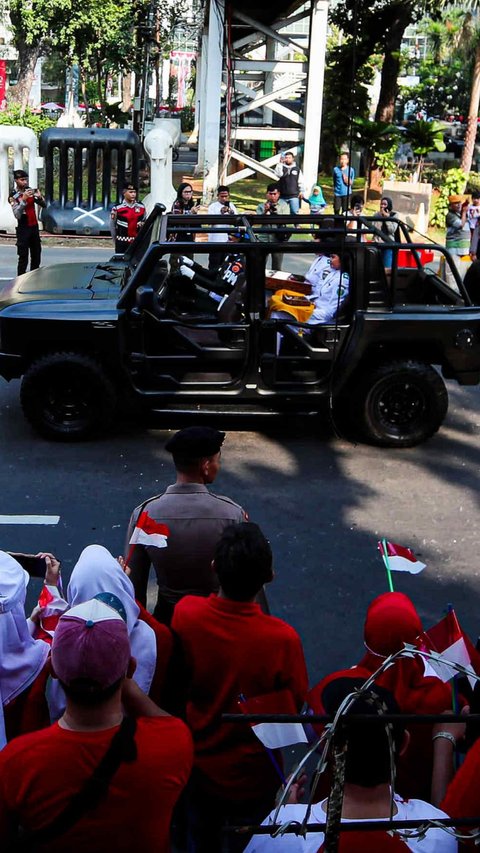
(97, 571)
(21, 657)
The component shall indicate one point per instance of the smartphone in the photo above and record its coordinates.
(35, 566)
(294, 277)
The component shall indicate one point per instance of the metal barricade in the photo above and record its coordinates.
(80, 196)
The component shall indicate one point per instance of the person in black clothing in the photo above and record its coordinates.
(23, 201)
(221, 282)
(183, 204)
(291, 183)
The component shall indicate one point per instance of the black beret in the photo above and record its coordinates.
(20, 173)
(196, 442)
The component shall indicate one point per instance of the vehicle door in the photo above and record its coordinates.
(179, 337)
(296, 356)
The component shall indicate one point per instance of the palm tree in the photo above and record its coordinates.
(470, 37)
(374, 137)
(424, 136)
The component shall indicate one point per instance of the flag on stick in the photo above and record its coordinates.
(397, 558)
(446, 641)
(147, 531)
(274, 735)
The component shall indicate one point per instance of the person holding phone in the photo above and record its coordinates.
(183, 204)
(23, 200)
(355, 227)
(221, 207)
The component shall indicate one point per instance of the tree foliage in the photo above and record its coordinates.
(103, 36)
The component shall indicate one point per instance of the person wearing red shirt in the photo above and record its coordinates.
(234, 651)
(127, 217)
(23, 201)
(391, 621)
(95, 778)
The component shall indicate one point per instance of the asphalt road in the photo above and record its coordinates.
(322, 502)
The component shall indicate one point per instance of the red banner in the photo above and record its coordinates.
(3, 84)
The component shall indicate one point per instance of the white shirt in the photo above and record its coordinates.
(435, 840)
(215, 209)
(315, 274)
(332, 291)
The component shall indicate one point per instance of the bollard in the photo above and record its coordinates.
(80, 200)
(22, 141)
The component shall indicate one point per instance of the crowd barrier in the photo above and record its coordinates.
(332, 830)
(93, 164)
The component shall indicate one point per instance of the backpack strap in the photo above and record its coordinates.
(122, 749)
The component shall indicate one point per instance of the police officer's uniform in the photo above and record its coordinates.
(195, 519)
(28, 235)
(125, 223)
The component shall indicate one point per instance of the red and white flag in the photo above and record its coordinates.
(400, 559)
(446, 639)
(50, 607)
(147, 531)
(274, 735)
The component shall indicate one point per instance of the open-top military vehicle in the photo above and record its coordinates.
(88, 340)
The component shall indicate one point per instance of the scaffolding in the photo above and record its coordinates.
(259, 89)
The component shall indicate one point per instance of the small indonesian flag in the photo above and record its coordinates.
(50, 607)
(400, 559)
(147, 531)
(446, 640)
(274, 735)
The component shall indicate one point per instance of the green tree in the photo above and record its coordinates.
(376, 138)
(378, 27)
(424, 136)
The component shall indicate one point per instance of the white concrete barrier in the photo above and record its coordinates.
(22, 142)
(158, 145)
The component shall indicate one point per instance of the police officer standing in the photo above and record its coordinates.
(126, 219)
(194, 518)
(23, 201)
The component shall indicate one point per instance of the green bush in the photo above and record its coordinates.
(36, 121)
(473, 182)
(453, 183)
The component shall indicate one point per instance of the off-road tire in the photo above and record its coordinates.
(67, 396)
(399, 403)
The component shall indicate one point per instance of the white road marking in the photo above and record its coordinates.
(29, 519)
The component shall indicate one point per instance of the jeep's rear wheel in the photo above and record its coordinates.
(67, 396)
(400, 403)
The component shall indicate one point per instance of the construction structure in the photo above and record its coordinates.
(259, 88)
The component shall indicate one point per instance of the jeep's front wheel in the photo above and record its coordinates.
(67, 396)
(400, 403)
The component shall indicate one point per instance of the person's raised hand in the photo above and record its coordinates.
(52, 573)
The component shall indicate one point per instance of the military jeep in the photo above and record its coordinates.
(136, 332)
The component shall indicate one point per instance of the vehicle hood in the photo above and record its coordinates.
(65, 281)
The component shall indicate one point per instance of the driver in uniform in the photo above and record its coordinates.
(228, 277)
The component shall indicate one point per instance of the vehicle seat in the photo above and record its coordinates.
(232, 308)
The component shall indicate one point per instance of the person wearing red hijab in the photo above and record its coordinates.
(391, 621)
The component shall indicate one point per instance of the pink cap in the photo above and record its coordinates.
(91, 643)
